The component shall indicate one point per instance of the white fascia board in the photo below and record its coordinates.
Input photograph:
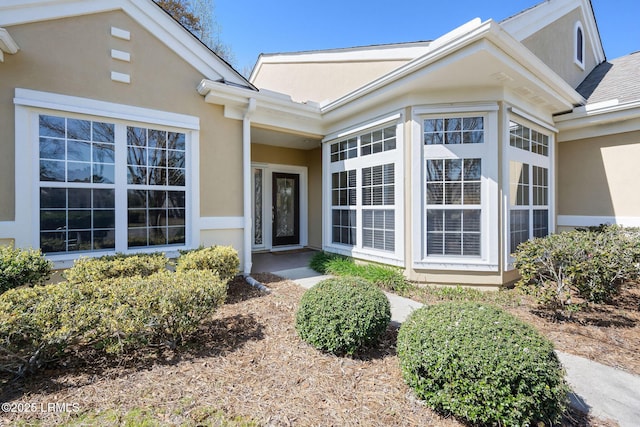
(607, 119)
(147, 14)
(367, 53)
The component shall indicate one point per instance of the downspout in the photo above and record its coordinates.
(246, 168)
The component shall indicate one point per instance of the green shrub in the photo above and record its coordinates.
(39, 324)
(221, 259)
(482, 365)
(86, 270)
(22, 267)
(590, 265)
(342, 315)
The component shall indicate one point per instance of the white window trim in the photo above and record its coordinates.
(396, 157)
(488, 152)
(578, 25)
(30, 104)
(532, 159)
(268, 169)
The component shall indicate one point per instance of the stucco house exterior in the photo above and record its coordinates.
(121, 132)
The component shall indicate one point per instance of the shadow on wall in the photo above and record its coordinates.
(598, 176)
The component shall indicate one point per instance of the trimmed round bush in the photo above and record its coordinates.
(482, 365)
(342, 315)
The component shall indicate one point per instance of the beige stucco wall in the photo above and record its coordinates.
(315, 81)
(599, 176)
(554, 44)
(72, 56)
(312, 160)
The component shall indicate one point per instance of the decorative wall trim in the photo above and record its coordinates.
(586, 221)
(221, 222)
(120, 77)
(54, 101)
(119, 33)
(120, 55)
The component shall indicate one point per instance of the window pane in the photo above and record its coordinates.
(52, 171)
(472, 192)
(80, 198)
(53, 197)
(52, 149)
(453, 169)
(518, 228)
(176, 141)
(103, 132)
(103, 173)
(52, 126)
(104, 153)
(540, 223)
(53, 220)
(79, 150)
(78, 172)
(79, 129)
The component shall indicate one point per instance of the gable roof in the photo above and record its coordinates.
(615, 79)
(531, 20)
(145, 12)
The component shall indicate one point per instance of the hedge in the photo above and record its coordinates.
(22, 267)
(163, 309)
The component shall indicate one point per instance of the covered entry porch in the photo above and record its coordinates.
(286, 193)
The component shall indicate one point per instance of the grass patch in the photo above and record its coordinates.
(431, 294)
(385, 277)
(392, 279)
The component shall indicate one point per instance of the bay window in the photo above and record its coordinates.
(529, 184)
(455, 188)
(364, 194)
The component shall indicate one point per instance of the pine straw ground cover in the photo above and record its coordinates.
(248, 368)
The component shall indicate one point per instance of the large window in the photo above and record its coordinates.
(453, 197)
(453, 192)
(529, 183)
(363, 191)
(79, 182)
(155, 187)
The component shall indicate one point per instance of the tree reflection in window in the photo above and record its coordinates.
(156, 180)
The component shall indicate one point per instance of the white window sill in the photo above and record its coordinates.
(379, 256)
(455, 264)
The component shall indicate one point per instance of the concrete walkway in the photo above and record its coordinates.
(600, 390)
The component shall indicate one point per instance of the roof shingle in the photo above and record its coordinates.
(616, 79)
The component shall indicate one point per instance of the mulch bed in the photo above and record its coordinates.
(609, 333)
(249, 362)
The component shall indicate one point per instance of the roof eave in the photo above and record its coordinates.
(458, 39)
(271, 109)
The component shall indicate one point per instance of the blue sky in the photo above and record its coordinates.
(252, 27)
